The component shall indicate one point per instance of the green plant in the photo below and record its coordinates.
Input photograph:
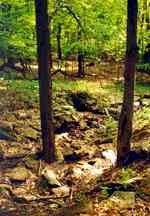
(125, 175)
(104, 192)
(144, 67)
(80, 198)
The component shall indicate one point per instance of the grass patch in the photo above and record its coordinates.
(28, 90)
(140, 88)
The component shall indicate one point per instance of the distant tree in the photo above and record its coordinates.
(126, 116)
(80, 57)
(45, 85)
(58, 37)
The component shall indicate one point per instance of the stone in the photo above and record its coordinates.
(21, 115)
(146, 102)
(136, 105)
(30, 133)
(22, 194)
(95, 172)
(5, 186)
(50, 176)
(110, 155)
(123, 199)
(4, 135)
(62, 191)
(31, 164)
(6, 125)
(84, 102)
(61, 136)
(98, 164)
(19, 174)
(77, 173)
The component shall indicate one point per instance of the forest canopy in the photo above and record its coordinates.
(101, 23)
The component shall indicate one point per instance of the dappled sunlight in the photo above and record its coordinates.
(74, 108)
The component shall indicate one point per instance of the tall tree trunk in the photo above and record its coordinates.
(126, 116)
(45, 85)
(50, 53)
(58, 36)
(80, 58)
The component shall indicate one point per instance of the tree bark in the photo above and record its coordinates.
(80, 58)
(126, 116)
(45, 84)
(58, 36)
(80, 65)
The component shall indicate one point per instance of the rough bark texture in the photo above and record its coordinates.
(126, 116)
(59, 52)
(45, 88)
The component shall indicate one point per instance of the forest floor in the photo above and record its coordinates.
(84, 181)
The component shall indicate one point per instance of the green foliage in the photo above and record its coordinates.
(143, 26)
(23, 91)
(125, 175)
(17, 30)
(24, 86)
(111, 126)
(140, 88)
(104, 192)
(142, 117)
(144, 67)
(81, 199)
(102, 26)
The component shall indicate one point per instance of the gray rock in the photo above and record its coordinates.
(51, 176)
(30, 133)
(62, 191)
(146, 102)
(110, 155)
(95, 172)
(77, 173)
(98, 164)
(123, 199)
(19, 174)
(23, 194)
(5, 135)
(8, 126)
(21, 115)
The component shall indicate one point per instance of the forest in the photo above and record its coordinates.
(74, 107)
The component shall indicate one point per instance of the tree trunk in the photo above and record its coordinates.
(126, 116)
(80, 64)
(45, 85)
(80, 58)
(59, 52)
